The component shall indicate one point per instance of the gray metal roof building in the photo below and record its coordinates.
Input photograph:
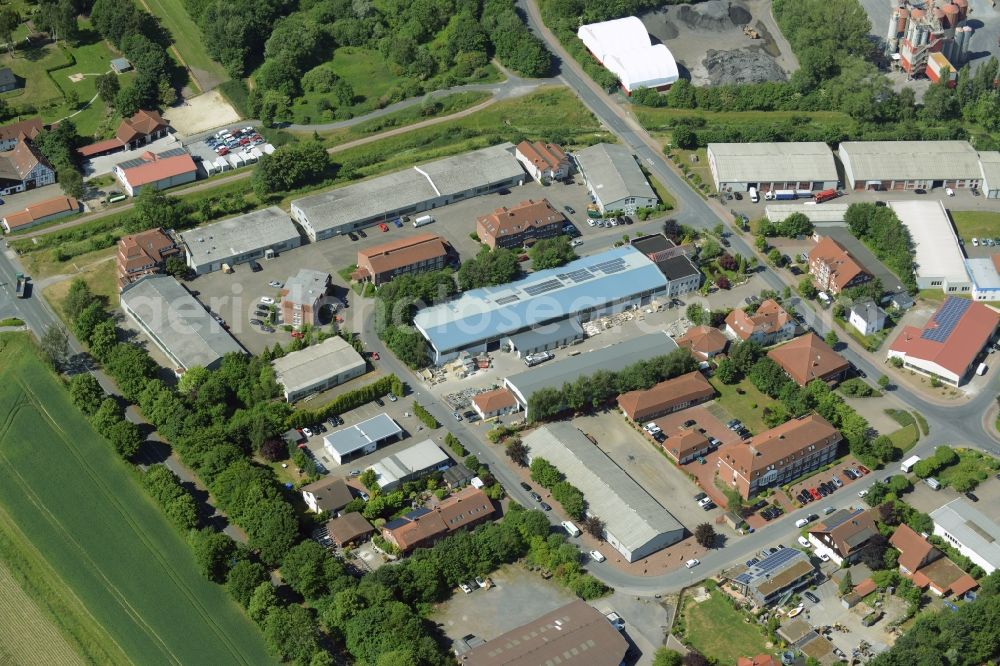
(414, 190)
(768, 579)
(989, 165)
(898, 165)
(805, 165)
(609, 281)
(828, 212)
(972, 532)
(635, 523)
(413, 461)
(362, 438)
(239, 239)
(176, 322)
(318, 367)
(547, 337)
(612, 358)
(614, 178)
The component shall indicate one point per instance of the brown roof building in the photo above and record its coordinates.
(686, 445)
(349, 528)
(526, 222)
(768, 325)
(329, 494)
(144, 253)
(705, 342)
(778, 455)
(43, 211)
(833, 269)
(491, 404)
(132, 133)
(758, 660)
(927, 566)
(844, 534)
(11, 134)
(422, 527)
(666, 397)
(915, 551)
(23, 168)
(544, 161)
(807, 358)
(159, 171)
(575, 635)
(415, 254)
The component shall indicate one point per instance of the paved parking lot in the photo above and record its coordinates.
(926, 499)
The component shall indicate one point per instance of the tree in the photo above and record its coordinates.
(175, 266)
(86, 393)
(517, 451)
(55, 346)
(273, 450)
(71, 182)
(78, 298)
(9, 22)
(103, 339)
(807, 289)
(594, 526)
(310, 570)
(695, 658)
(831, 339)
(846, 584)
(262, 601)
(88, 320)
(695, 313)
(551, 253)
(369, 479)
(545, 473)
(726, 372)
(243, 579)
(213, 552)
(883, 381)
(291, 633)
(710, 249)
(705, 535)
(667, 657)
(107, 87)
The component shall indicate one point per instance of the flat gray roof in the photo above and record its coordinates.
(177, 322)
(613, 172)
(420, 457)
(612, 358)
(469, 171)
(936, 247)
(299, 370)
(983, 273)
(306, 286)
(628, 511)
(356, 437)
(825, 212)
(745, 162)
(543, 335)
(911, 160)
(972, 527)
(989, 164)
(239, 235)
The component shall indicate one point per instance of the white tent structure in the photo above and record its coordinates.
(623, 46)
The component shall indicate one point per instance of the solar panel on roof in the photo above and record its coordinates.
(767, 565)
(946, 319)
(611, 266)
(504, 300)
(579, 276)
(542, 287)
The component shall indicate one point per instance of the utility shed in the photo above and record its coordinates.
(635, 523)
(318, 367)
(805, 165)
(240, 239)
(908, 165)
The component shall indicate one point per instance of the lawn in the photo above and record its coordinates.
(82, 508)
(905, 437)
(100, 272)
(188, 42)
(748, 407)
(696, 162)
(976, 224)
(719, 632)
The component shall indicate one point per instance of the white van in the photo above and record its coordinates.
(422, 220)
(908, 464)
(571, 528)
(981, 370)
(753, 195)
(801, 522)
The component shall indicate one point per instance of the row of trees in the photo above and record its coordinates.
(592, 391)
(886, 236)
(569, 496)
(796, 224)
(177, 503)
(488, 268)
(105, 414)
(290, 166)
(396, 304)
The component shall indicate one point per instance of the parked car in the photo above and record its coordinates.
(660, 437)
(457, 415)
(597, 556)
(275, 283)
(535, 496)
(267, 329)
(814, 493)
(545, 506)
(384, 227)
(689, 423)
(267, 300)
(837, 482)
(307, 432)
(863, 469)
(692, 563)
(811, 597)
(352, 236)
(362, 233)
(862, 493)
(699, 497)
(972, 496)
(256, 322)
(849, 473)
(398, 222)
(804, 542)
(569, 209)
(392, 397)
(465, 588)
(255, 266)
(526, 486)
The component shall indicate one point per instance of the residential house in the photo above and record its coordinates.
(970, 531)
(349, 529)
(770, 324)
(779, 455)
(666, 397)
(545, 162)
(844, 534)
(522, 224)
(23, 168)
(329, 494)
(424, 526)
(807, 358)
(303, 296)
(765, 581)
(11, 135)
(927, 566)
(491, 404)
(43, 211)
(142, 128)
(686, 445)
(8, 80)
(144, 253)
(159, 171)
(413, 254)
(704, 342)
(833, 268)
(866, 316)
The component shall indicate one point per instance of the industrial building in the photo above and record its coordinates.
(910, 165)
(635, 524)
(969, 530)
(414, 190)
(412, 462)
(566, 371)
(317, 368)
(828, 212)
(948, 345)
(576, 634)
(985, 275)
(543, 338)
(624, 48)
(989, 166)
(937, 252)
(177, 323)
(587, 288)
(303, 296)
(926, 37)
(768, 579)
(37, 213)
(520, 225)
(156, 170)
(362, 438)
(237, 240)
(614, 179)
(805, 165)
(404, 256)
(674, 262)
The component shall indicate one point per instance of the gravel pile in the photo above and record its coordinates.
(713, 15)
(742, 66)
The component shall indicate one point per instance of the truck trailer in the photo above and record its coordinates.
(21, 285)
(826, 195)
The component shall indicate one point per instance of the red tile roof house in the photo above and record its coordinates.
(10, 135)
(833, 269)
(844, 534)
(423, 527)
(666, 397)
(759, 660)
(948, 345)
(927, 566)
(24, 168)
(416, 254)
(526, 222)
(778, 455)
(156, 171)
(491, 404)
(142, 128)
(543, 161)
(686, 446)
(807, 358)
(43, 211)
(704, 342)
(143, 254)
(768, 325)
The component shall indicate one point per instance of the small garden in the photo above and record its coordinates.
(717, 629)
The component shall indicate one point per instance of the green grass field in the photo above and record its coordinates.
(82, 509)
(976, 224)
(188, 41)
(718, 631)
(747, 407)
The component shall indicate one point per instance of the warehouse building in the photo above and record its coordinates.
(362, 438)
(411, 463)
(237, 240)
(37, 213)
(939, 257)
(407, 192)
(989, 166)
(910, 165)
(624, 48)
(591, 287)
(674, 262)
(543, 338)
(805, 165)
(970, 531)
(177, 323)
(304, 295)
(317, 368)
(614, 179)
(635, 524)
(566, 371)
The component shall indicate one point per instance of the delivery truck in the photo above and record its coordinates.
(826, 195)
(21, 285)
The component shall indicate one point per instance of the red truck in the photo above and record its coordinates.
(825, 195)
